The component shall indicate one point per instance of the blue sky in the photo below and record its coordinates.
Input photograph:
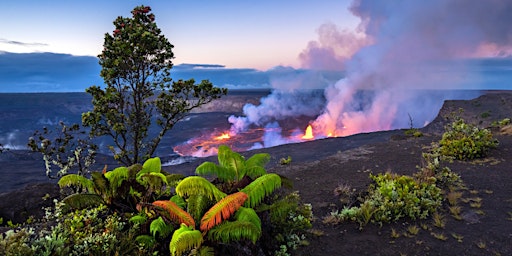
(237, 34)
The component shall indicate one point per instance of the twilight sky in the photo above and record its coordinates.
(238, 34)
(284, 45)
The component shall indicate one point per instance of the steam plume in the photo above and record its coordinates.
(398, 63)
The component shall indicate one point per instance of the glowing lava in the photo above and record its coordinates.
(308, 135)
(223, 136)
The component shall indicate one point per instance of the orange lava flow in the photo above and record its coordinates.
(224, 136)
(308, 135)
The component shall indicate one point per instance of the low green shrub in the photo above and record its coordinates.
(465, 141)
(395, 196)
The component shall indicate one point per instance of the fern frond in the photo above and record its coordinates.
(174, 179)
(255, 165)
(82, 201)
(280, 209)
(178, 200)
(232, 161)
(197, 205)
(133, 170)
(209, 168)
(138, 219)
(159, 226)
(222, 210)
(177, 214)
(145, 240)
(232, 231)
(203, 251)
(75, 180)
(248, 214)
(117, 176)
(185, 239)
(101, 184)
(195, 185)
(152, 165)
(154, 179)
(260, 188)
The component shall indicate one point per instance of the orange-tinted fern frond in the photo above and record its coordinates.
(222, 210)
(177, 214)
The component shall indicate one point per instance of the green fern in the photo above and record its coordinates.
(255, 165)
(146, 241)
(260, 188)
(203, 251)
(102, 186)
(197, 205)
(195, 185)
(222, 210)
(231, 231)
(178, 200)
(174, 179)
(138, 219)
(75, 180)
(117, 176)
(233, 166)
(81, 201)
(158, 226)
(151, 165)
(185, 239)
(249, 215)
(222, 173)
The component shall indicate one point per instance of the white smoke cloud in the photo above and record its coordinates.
(415, 46)
(404, 60)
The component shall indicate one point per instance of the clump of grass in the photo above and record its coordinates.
(413, 230)
(481, 244)
(394, 233)
(455, 211)
(440, 236)
(438, 220)
(453, 197)
(344, 192)
(458, 237)
(285, 161)
(475, 202)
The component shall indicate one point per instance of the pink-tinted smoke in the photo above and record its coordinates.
(410, 42)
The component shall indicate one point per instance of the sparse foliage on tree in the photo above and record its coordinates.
(67, 148)
(140, 96)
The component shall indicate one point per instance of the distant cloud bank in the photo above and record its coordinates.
(54, 72)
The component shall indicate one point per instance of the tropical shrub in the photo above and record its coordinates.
(93, 231)
(465, 141)
(124, 188)
(395, 196)
(225, 216)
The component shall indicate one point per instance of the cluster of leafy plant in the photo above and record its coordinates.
(91, 231)
(465, 141)
(226, 215)
(502, 122)
(391, 197)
